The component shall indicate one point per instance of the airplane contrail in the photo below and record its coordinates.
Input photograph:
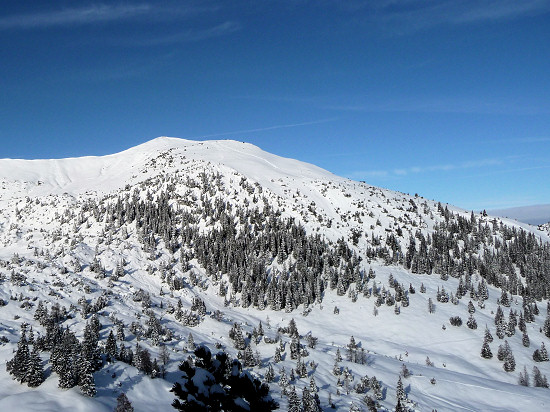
(262, 129)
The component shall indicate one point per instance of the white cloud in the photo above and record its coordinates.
(73, 16)
(403, 17)
(222, 29)
(399, 172)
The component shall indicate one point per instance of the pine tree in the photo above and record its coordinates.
(155, 369)
(111, 348)
(371, 404)
(270, 374)
(400, 391)
(17, 366)
(277, 358)
(523, 377)
(376, 388)
(86, 380)
(540, 355)
(486, 350)
(525, 340)
(120, 332)
(191, 342)
(543, 353)
(539, 380)
(123, 404)
(472, 324)
(310, 402)
(313, 385)
(509, 360)
(488, 337)
(294, 404)
(351, 350)
(501, 353)
(283, 380)
(35, 371)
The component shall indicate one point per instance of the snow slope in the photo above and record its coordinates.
(45, 224)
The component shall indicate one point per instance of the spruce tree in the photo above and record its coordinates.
(488, 337)
(486, 350)
(17, 366)
(123, 404)
(270, 374)
(400, 391)
(472, 324)
(523, 377)
(525, 340)
(509, 360)
(294, 404)
(111, 348)
(310, 401)
(86, 380)
(35, 371)
(539, 380)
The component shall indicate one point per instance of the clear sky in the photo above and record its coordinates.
(448, 99)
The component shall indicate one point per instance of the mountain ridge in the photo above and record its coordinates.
(209, 238)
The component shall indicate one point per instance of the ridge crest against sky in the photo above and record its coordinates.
(447, 99)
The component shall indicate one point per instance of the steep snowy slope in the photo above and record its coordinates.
(176, 237)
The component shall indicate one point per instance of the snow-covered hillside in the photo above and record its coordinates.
(177, 238)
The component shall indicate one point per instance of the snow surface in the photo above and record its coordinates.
(36, 194)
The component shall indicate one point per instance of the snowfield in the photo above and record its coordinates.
(60, 217)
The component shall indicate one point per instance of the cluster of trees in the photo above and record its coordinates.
(214, 383)
(26, 365)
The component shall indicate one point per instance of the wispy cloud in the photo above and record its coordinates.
(264, 129)
(405, 16)
(400, 172)
(73, 16)
(459, 105)
(190, 35)
(143, 12)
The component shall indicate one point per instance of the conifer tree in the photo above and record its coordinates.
(35, 371)
(539, 380)
(523, 377)
(400, 391)
(509, 360)
(111, 348)
(283, 380)
(488, 337)
(471, 323)
(86, 380)
(123, 404)
(270, 374)
(486, 350)
(294, 404)
(525, 340)
(17, 366)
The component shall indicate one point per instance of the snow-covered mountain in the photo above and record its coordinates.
(212, 239)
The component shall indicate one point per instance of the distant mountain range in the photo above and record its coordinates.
(534, 215)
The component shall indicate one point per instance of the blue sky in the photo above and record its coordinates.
(448, 99)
